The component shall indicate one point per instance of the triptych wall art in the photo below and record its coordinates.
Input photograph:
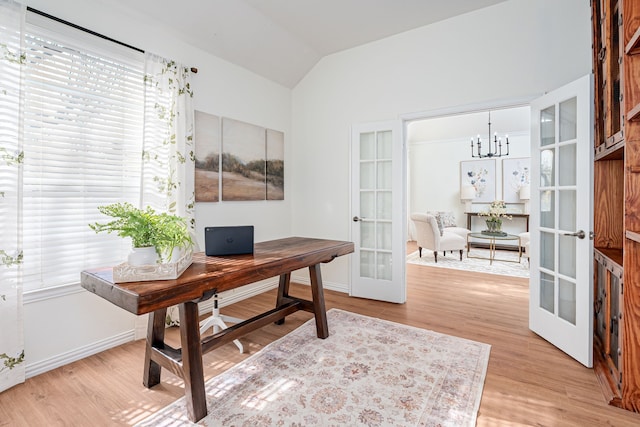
(237, 161)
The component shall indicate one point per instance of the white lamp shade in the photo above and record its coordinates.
(468, 192)
(525, 192)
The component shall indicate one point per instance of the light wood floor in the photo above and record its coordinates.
(529, 382)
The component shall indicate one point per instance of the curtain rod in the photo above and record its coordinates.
(86, 30)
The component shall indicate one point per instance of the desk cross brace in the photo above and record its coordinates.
(186, 362)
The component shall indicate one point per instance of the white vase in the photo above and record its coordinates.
(143, 256)
(176, 254)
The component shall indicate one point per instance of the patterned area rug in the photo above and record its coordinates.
(452, 260)
(368, 372)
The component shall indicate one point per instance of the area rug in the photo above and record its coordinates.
(452, 260)
(368, 372)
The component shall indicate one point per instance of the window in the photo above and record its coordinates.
(83, 121)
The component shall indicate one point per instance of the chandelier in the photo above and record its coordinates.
(497, 145)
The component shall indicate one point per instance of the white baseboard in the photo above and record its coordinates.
(42, 366)
(332, 286)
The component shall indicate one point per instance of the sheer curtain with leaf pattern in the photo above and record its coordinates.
(168, 158)
(12, 369)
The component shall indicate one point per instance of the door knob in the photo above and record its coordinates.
(579, 234)
(356, 219)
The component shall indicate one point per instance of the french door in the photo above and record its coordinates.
(377, 207)
(561, 281)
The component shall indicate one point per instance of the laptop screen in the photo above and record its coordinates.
(231, 240)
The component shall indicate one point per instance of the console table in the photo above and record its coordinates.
(206, 277)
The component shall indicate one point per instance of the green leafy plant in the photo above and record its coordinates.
(146, 228)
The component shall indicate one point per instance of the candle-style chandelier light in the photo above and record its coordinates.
(497, 145)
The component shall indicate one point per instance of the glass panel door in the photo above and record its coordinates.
(377, 221)
(561, 282)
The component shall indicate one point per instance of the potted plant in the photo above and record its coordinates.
(147, 229)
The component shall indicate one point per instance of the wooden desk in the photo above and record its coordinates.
(204, 278)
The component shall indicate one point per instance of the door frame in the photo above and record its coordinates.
(447, 112)
(405, 120)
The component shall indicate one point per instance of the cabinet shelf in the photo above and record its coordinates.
(611, 255)
(633, 235)
(634, 113)
(633, 47)
(612, 152)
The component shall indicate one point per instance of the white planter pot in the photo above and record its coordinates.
(143, 256)
(176, 254)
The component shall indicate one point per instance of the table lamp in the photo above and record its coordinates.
(467, 194)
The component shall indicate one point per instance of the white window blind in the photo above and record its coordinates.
(83, 120)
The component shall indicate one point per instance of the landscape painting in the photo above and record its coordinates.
(275, 165)
(243, 161)
(207, 153)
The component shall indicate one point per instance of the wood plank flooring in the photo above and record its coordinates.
(529, 382)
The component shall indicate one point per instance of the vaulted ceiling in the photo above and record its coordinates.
(282, 40)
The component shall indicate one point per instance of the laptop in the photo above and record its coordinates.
(233, 240)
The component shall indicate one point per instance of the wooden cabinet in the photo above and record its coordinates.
(608, 316)
(616, 59)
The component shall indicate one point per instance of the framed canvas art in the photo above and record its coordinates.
(207, 153)
(275, 165)
(243, 161)
(515, 174)
(481, 174)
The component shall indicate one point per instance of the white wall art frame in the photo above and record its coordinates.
(516, 173)
(481, 174)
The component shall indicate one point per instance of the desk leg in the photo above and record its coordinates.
(283, 292)
(322, 328)
(193, 372)
(155, 338)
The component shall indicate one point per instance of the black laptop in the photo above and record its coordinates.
(232, 240)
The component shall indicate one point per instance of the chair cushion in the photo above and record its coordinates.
(452, 242)
(460, 231)
(448, 219)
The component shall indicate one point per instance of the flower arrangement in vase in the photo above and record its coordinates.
(495, 214)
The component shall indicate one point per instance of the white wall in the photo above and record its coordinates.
(514, 49)
(63, 327)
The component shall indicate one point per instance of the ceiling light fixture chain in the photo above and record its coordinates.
(497, 145)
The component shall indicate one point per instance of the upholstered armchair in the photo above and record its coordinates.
(428, 236)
